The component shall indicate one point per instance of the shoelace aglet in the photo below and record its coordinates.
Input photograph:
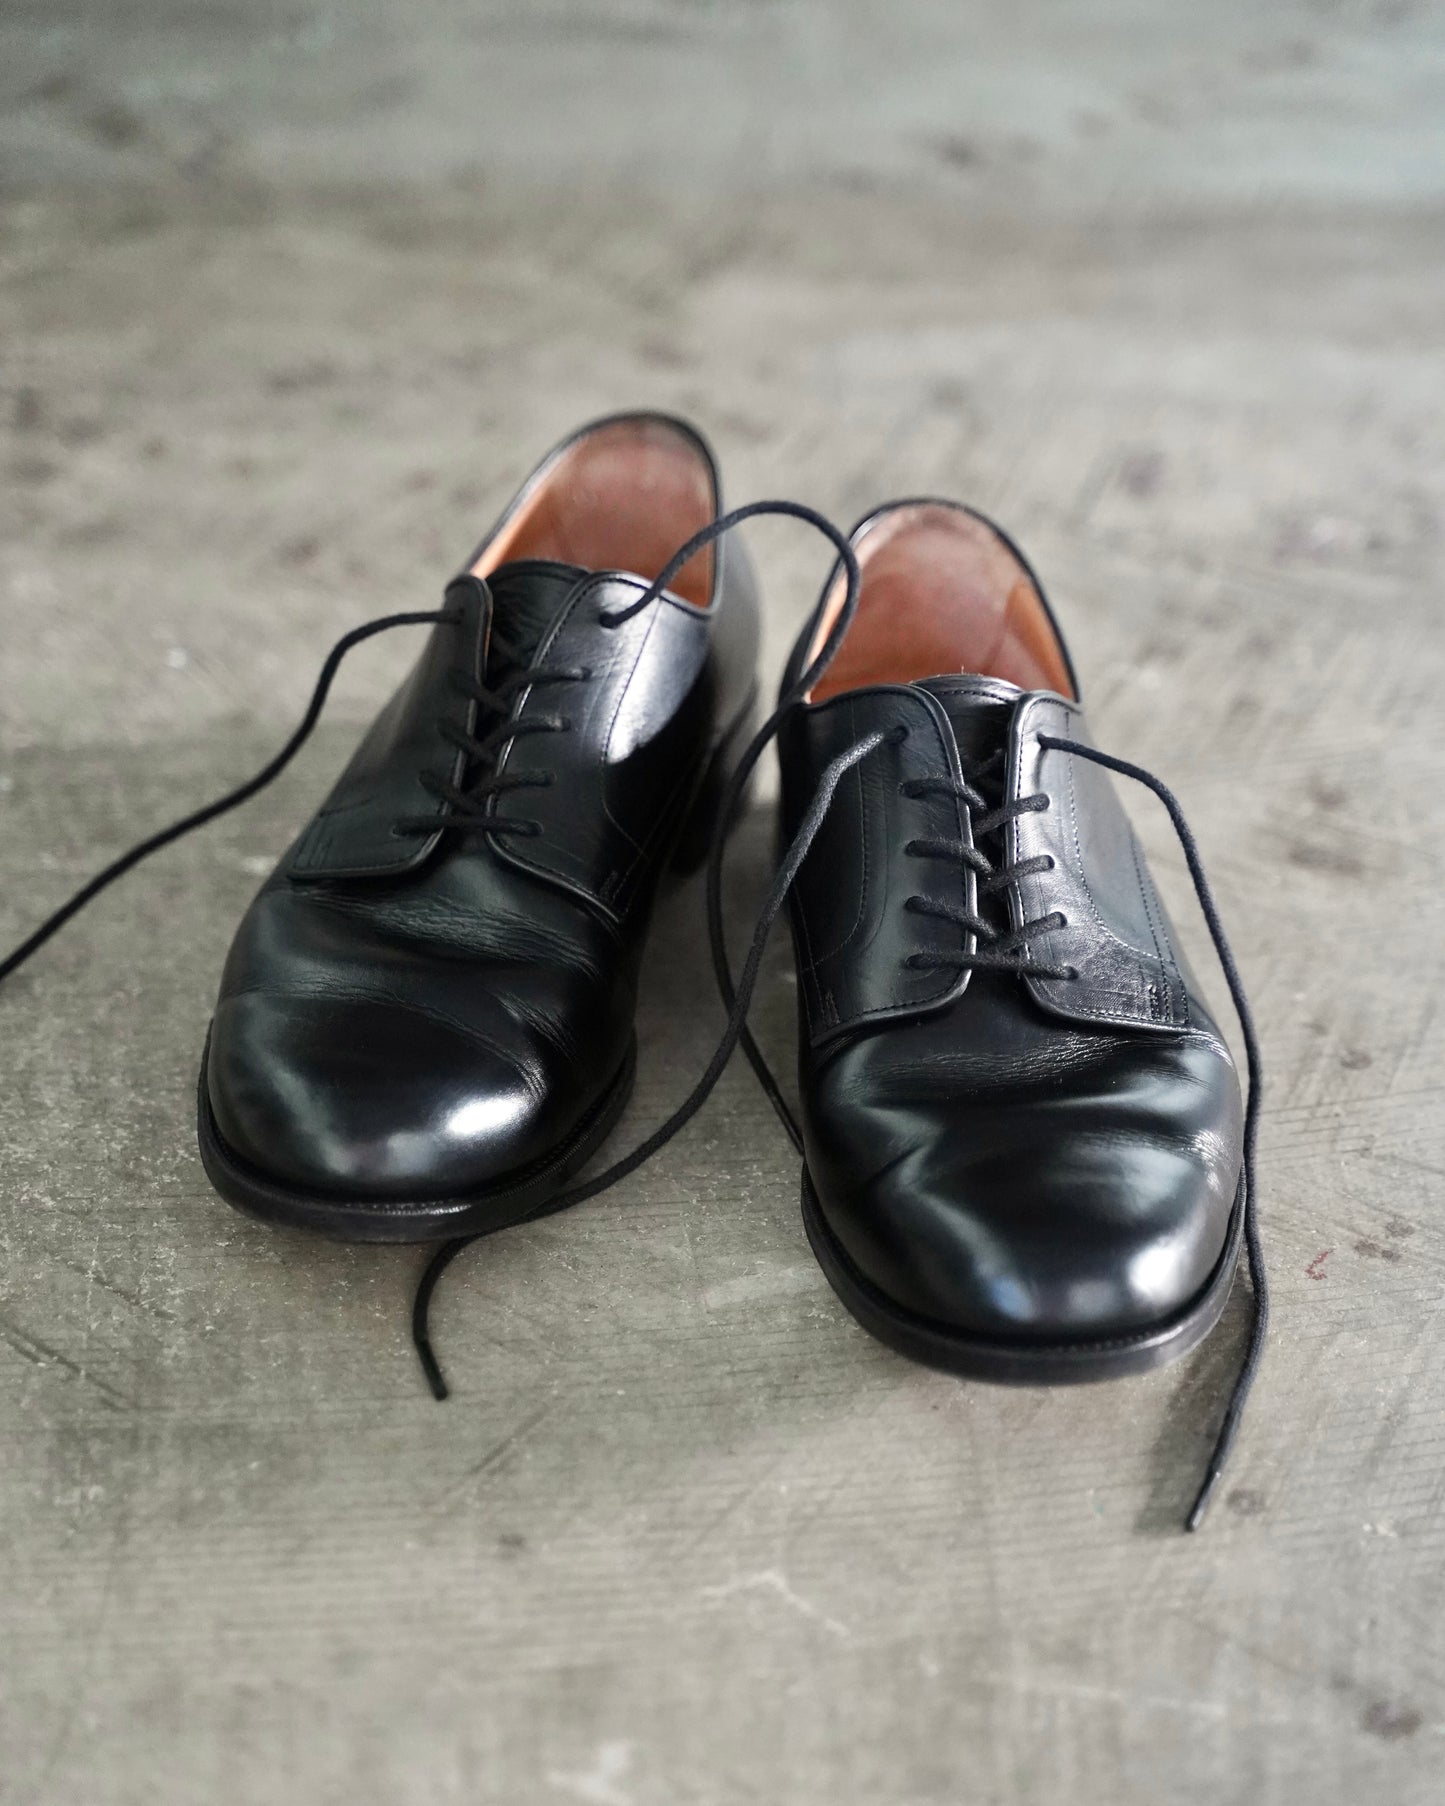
(1218, 1460)
(1201, 1504)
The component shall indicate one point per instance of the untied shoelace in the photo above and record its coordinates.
(466, 813)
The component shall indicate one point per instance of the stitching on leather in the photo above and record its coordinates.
(1082, 876)
(1126, 1014)
(1166, 965)
(1078, 863)
(1143, 896)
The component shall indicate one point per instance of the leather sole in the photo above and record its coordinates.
(527, 1193)
(1021, 1363)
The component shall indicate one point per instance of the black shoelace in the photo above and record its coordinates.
(994, 951)
(467, 811)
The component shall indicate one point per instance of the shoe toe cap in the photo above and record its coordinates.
(368, 1100)
(1071, 1220)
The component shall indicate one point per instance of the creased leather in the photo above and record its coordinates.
(852, 928)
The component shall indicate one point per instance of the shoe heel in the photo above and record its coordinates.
(695, 836)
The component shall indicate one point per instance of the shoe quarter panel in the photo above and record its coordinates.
(615, 785)
(851, 924)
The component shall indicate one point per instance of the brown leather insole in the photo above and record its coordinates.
(624, 498)
(941, 593)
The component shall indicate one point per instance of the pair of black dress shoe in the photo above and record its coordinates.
(1025, 1154)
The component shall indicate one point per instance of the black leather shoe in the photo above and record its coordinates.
(1022, 1128)
(425, 1023)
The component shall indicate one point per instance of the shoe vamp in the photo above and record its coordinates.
(994, 1093)
(500, 956)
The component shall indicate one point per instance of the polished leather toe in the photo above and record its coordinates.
(426, 1039)
(1097, 1207)
(370, 1100)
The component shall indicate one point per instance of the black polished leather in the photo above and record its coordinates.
(1045, 1159)
(433, 1014)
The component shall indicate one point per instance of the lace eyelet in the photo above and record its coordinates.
(1071, 973)
(897, 735)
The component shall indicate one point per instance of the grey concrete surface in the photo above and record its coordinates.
(290, 296)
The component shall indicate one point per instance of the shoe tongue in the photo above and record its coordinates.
(979, 709)
(527, 597)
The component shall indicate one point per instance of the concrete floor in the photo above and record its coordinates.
(290, 296)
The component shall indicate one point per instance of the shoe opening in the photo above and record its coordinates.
(943, 591)
(623, 496)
